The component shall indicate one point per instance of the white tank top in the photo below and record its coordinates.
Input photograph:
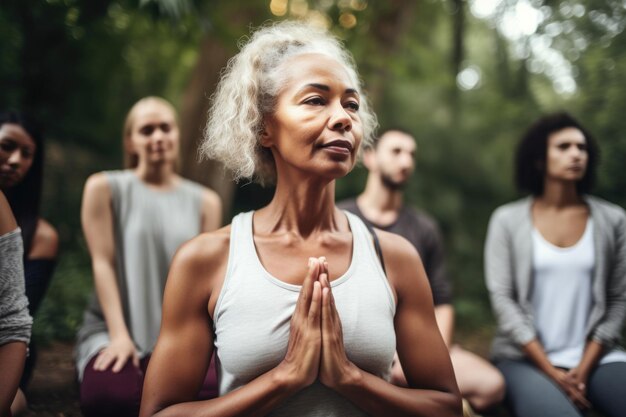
(254, 309)
(562, 297)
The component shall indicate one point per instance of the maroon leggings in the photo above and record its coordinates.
(104, 393)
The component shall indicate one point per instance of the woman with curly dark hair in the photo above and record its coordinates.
(555, 265)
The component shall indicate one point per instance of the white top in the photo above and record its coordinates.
(562, 298)
(254, 309)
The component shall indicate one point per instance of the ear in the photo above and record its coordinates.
(266, 133)
(369, 158)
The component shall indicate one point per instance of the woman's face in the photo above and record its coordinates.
(567, 155)
(154, 135)
(316, 126)
(17, 152)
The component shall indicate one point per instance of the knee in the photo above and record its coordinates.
(489, 393)
(110, 394)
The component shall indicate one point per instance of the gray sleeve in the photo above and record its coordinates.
(500, 277)
(15, 322)
(608, 331)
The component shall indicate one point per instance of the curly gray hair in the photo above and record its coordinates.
(249, 87)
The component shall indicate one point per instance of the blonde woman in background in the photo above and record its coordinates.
(134, 220)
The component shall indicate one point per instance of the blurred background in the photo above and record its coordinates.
(465, 76)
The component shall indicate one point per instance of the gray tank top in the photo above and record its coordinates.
(254, 309)
(149, 226)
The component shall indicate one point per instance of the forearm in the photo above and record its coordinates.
(108, 294)
(592, 354)
(257, 398)
(380, 398)
(444, 314)
(534, 351)
(12, 356)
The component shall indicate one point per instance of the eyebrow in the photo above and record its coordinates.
(324, 87)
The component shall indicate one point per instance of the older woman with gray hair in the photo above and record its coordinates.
(294, 298)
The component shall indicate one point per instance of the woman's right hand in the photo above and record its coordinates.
(302, 361)
(118, 352)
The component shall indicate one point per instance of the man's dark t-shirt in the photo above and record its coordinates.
(422, 231)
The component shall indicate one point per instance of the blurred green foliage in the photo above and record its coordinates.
(78, 65)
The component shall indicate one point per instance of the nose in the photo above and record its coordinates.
(405, 160)
(339, 118)
(15, 158)
(576, 152)
(158, 135)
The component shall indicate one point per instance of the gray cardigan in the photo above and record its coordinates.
(508, 269)
(15, 322)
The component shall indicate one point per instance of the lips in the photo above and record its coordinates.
(9, 176)
(339, 144)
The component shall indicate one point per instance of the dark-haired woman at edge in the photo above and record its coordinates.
(21, 177)
(555, 265)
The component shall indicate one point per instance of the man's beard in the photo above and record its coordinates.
(392, 184)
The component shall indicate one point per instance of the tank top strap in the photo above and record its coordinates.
(363, 250)
(365, 256)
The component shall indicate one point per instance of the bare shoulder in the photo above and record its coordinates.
(202, 255)
(97, 189)
(211, 198)
(396, 248)
(405, 270)
(97, 182)
(206, 247)
(7, 221)
(45, 241)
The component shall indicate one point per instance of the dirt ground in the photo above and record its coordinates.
(53, 391)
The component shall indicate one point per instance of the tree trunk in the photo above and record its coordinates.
(195, 103)
(458, 53)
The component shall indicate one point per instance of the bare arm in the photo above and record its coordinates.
(171, 386)
(211, 211)
(444, 313)
(432, 387)
(12, 357)
(45, 242)
(7, 221)
(97, 222)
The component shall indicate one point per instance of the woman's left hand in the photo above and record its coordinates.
(335, 367)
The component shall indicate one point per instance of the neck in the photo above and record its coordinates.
(378, 197)
(301, 206)
(559, 194)
(158, 175)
